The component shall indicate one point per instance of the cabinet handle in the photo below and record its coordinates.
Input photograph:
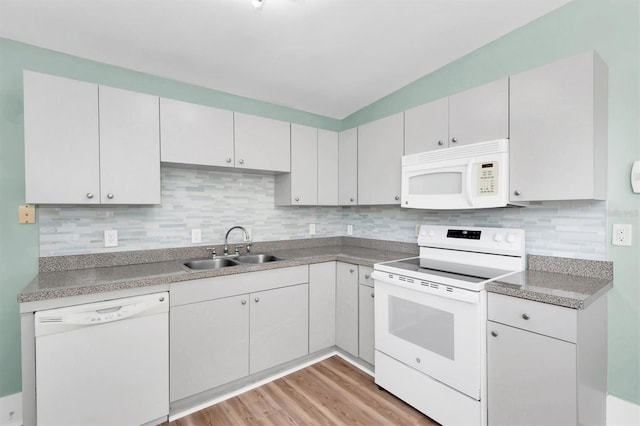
(494, 333)
(351, 270)
(228, 160)
(89, 194)
(244, 302)
(367, 276)
(454, 140)
(110, 196)
(241, 161)
(297, 198)
(525, 316)
(516, 192)
(440, 143)
(257, 299)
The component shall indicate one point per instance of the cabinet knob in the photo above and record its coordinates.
(257, 299)
(367, 276)
(297, 198)
(397, 197)
(241, 161)
(454, 140)
(440, 143)
(373, 295)
(418, 360)
(352, 270)
(525, 316)
(228, 160)
(89, 194)
(161, 299)
(516, 192)
(494, 333)
(110, 196)
(351, 199)
(244, 302)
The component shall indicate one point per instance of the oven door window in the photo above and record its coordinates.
(425, 326)
(437, 183)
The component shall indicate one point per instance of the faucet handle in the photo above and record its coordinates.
(238, 247)
(248, 248)
(212, 250)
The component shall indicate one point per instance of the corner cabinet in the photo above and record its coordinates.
(558, 147)
(547, 365)
(380, 150)
(262, 143)
(89, 144)
(475, 115)
(195, 134)
(322, 306)
(300, 187)
(348, 167)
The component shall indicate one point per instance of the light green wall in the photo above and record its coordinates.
(19, 243)
(611, 28)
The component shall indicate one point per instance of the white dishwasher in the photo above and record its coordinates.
(103, 363)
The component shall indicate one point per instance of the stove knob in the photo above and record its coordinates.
(431, 234)
(511, 238)
(497, 238)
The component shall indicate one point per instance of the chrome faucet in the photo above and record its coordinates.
(226, 237)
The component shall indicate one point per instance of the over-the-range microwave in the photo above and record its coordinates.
(473, 176)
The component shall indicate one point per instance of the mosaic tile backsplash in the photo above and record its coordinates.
(213, 201)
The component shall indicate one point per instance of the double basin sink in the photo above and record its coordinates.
(225, 262)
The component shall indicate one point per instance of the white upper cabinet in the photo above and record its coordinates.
(426, 127)
(86, 144)
(475, 115)
(327, 168)
(380, 150)
(558, 147)
(129, 147)
(195, 134)
(300, 187)
(348, 167)
(262, 143)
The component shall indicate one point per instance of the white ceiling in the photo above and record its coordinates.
(329, 57)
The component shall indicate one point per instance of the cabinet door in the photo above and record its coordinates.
(322, 306)
(209, 345)
(62, 158)
(327, 168)
(365, 323)
(129, 147)
(480, 114)
(262, 143)
(426, 127)
(558, 147)
(304, 165)
(531, 378)
(380, 148)
(279, 326)
(195, 134)
(347, 307)
(348, 167)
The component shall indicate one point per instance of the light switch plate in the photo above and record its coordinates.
(27, 213)
(312, 229)
(349, 229)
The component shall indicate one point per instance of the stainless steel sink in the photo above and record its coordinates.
(257, 258)
(216, 263)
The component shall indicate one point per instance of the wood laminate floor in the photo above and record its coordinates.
(331, 392)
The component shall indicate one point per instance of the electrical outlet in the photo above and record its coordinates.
(349, 229)
(111, 238)
(312, 229)
(196, 236)
(621, 235)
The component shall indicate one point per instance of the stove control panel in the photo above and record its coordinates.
(505, 241)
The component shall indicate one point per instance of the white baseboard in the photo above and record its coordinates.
(621, 412)
(11, 410)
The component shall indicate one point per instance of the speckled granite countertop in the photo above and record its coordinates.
(53, 283)
(571, 283)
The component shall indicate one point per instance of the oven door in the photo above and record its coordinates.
(436, 335)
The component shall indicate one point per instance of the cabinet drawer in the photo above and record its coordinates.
(364, 275)
(550, 320)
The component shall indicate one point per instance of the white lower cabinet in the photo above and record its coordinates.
(547, 364)
(218, 336)
(366, 330)
(279, 327)
(347, 307)
(322, 306)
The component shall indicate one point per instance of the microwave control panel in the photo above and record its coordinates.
(488, 178)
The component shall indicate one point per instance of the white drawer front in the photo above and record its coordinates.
(550, 320)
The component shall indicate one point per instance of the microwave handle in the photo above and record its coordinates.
(469, 182)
